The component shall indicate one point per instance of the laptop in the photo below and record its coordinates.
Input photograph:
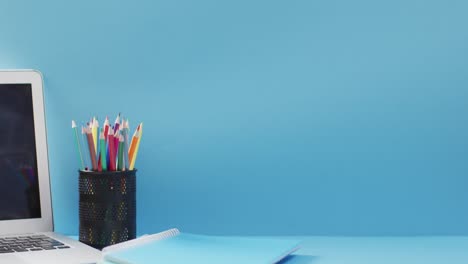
(26, 223)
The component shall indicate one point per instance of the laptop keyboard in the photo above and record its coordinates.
(29, 243)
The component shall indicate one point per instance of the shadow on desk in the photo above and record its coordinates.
(299, 259)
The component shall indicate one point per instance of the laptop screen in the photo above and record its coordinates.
(19, 186)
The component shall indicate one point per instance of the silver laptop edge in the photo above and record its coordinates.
(78, 252)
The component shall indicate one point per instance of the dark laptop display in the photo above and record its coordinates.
(19, 187)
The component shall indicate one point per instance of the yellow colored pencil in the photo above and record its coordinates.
(95, 127)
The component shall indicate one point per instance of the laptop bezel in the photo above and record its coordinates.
(45, 223)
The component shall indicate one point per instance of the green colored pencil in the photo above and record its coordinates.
(78, 145)
(120, 158)
(102, 142)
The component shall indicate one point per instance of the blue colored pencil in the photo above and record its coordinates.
(125, 132)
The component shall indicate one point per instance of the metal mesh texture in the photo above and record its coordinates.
(107, 208)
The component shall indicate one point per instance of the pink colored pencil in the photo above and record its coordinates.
(111, 150)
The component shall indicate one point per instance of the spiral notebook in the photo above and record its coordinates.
(174, 247)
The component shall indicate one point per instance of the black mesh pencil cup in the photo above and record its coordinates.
(107, 207)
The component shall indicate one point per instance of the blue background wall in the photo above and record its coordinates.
(263, 117)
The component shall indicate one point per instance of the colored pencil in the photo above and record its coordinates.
(120, 165)
(99, 164)
(92, 150)
(86, 157)
(117, 123)
(116, 140)
(102, 142)
(133, 145)
(95, 126)
(125, 132)
(111, 150)
(78, 146)
(98, 151)
(106, 128)
(135, 152)
(106, 132)
(116, 129)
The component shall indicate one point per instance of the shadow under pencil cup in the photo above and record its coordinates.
(107, 207)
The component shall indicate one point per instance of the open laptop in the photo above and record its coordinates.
(26, 224)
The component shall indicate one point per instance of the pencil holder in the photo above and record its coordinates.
(107, 207)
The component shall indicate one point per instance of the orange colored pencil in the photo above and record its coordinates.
(135, 153)
(133, 144)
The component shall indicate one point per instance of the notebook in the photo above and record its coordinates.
(174, 247)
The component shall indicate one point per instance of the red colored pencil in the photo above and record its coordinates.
(99, 165)
(106, 127)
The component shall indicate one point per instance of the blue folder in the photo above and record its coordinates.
(182, 248)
